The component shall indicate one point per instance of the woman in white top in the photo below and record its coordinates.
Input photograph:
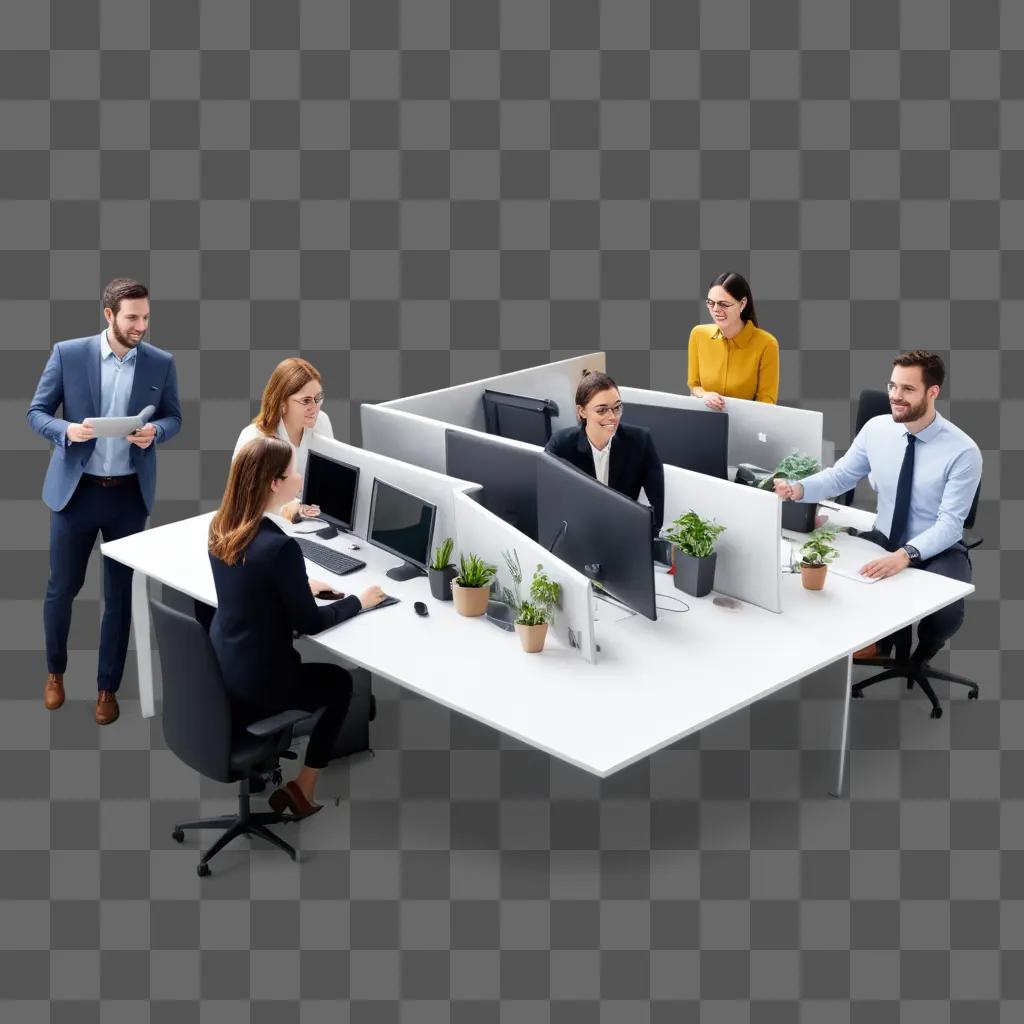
(291, 409)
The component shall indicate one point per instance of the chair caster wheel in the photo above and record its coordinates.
(203, 870)
(936, 713)
(972, 694)
(857, 695)
(178, 836)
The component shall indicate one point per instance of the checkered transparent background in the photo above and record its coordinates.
(423, 192)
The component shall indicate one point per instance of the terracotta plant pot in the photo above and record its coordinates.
(470, 601)
(532, 637)
(813, 576)
(441, 582)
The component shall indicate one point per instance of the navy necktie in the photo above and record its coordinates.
(901, 508)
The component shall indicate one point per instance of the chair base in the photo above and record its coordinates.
(920, 672)
(245, 823)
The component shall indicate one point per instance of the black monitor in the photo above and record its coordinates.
(522, 419)
(689, 438)
(597, 531)
(402, 524)
(331, 485)
(507, 473)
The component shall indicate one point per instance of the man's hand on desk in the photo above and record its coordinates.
(880, 568)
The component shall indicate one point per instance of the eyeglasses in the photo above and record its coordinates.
(723, 306)
(308, 403)
(604, 410)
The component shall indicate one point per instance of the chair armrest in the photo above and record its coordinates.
(278, 723)
(970, 542)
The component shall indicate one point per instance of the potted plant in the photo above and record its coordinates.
(472, 586)
(693, 544)
(815, 556)
(441, 572)
(797, 517)
(535, 614)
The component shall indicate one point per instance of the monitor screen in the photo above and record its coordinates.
(693, 439)
(507, 473)
(331, 485)
(401, 523)
(598, 531)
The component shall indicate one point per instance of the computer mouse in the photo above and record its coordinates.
(353, 547)
(421, 609)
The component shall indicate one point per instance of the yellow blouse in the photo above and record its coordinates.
(746, 366)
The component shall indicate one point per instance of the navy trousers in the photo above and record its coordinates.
(934, 630)
(112, 512)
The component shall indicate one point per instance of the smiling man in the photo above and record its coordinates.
(102, 485)
(926, 472)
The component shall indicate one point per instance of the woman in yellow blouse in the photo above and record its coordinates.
(732, 357)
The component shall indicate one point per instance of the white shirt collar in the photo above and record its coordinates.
(106, 350)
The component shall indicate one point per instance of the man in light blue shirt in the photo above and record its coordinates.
(926, 472)
(110, 457)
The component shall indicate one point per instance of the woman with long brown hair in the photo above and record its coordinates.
(263, 595)
(291, 409)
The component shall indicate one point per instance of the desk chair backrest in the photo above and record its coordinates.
(196, 712)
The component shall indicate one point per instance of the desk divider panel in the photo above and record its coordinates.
(462, 405)
(748, 552)
(424, 483)
(415, 438)
(480, 532)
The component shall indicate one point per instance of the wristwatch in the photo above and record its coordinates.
(913, 554)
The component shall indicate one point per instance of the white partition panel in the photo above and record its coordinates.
(414, 438)
(462, 405)
(748, 552)
(759, 432)
(424, 483)
(481, 532)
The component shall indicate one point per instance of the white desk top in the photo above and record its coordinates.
(655, 682)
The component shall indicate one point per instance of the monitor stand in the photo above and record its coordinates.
(405, 571)
(329, 532)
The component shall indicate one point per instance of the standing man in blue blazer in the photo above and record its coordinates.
(100, 484)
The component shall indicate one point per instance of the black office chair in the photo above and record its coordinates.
(900, 666)
(198, 729)
(871, 403)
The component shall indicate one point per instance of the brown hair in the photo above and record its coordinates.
(590, 383)
(254, 468)
(933, 369)
(289, 376)
(736, 285)
(122, 288)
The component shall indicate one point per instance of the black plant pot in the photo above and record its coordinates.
(695, 576)
(441, 582)
(798, 517)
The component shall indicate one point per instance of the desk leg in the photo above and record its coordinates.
(838, 791)
(143, 647)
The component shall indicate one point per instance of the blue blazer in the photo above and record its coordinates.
(71, 380)
(261, 600)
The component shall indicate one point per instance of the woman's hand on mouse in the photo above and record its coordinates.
(371, 597)
(316, 586)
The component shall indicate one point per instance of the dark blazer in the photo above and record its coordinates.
(261, 599)
(71, 381)
(633, 463)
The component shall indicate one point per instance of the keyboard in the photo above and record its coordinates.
(334, 561)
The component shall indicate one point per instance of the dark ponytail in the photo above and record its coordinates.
(590, 383)
(736, 285)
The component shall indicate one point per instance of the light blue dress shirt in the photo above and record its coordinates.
(111, 456)
(947, 471)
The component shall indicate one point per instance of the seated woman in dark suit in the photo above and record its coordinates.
(262, 596)
(620, 456)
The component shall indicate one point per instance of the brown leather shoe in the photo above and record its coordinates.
(291, 798)
(871, 651)
(107, 710)
(53, 692)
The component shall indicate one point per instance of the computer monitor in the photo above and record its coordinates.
(402, 524)
(689, 438)
(331, 485)
(597, 531)
(522, 419)
(507, 473)
(763, 434)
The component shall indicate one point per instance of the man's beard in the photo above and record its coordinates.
(910, 413)
(124, 339)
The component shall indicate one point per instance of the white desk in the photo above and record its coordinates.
(655, 682)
